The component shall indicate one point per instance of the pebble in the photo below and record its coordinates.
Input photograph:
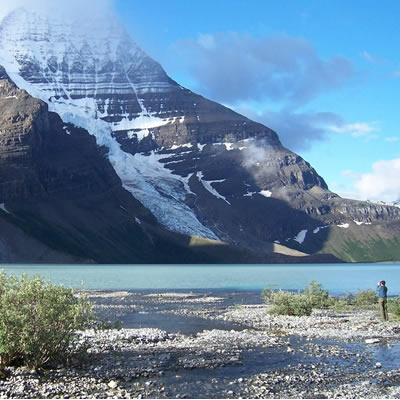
(372, 341)
(112, 384)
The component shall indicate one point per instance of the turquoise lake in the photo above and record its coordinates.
(336, 278)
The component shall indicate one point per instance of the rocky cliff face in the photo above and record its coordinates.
(49, 173)
(198, 167)
(42, 156)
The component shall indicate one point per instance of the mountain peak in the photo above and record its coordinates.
(45, 46)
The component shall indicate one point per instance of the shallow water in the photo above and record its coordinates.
(186, 325)
(214, 383)
(150, 313)
(336, 278)
(387, 354)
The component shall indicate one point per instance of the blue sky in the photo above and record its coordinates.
(324, 74)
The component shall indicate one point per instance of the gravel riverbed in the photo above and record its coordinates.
(221, 344)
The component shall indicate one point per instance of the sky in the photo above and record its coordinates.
(325, 75)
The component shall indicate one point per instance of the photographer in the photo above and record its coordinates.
(381, 292)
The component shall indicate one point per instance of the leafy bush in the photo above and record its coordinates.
(319, 297)
(268, 292)
(38, 321)
(394, 306)
(287, 303)
(365, 298)
(342, 303)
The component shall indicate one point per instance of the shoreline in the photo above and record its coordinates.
(221, 344)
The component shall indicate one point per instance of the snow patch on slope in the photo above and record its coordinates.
(208, 187)
(316, 230)
(300, 237)
(361, 223)
(3, 207)
(178, 146)
(250, 194)
(228, 146)
(265, 193)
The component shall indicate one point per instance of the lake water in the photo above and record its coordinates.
(336, 278)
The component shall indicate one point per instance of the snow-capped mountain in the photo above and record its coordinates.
(101, 80)
(199, 167)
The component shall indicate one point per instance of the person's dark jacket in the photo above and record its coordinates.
(381, 292)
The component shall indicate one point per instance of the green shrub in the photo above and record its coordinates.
(268, 292)
(365, 298)
(342, 303)
(38, 321)
(287, 303)
(394, 306)
(318, 297)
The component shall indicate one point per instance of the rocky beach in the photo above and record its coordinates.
(220, 344)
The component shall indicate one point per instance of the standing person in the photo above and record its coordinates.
(381, 292)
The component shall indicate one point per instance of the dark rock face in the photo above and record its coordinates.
(41, 156)
(50, 172)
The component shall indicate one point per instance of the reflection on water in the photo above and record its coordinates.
(337, 278)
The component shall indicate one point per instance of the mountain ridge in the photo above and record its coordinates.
(199, 168)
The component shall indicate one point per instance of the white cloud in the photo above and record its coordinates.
(297, 130)
(357, 129)
(206, 41)
(85, 10)
(348, 173)
(234, 67)
(392, 139)
(383, 183)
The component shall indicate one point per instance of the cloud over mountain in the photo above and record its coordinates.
(233, 67)
(382, 183)
(297, 130)
(87, 10)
